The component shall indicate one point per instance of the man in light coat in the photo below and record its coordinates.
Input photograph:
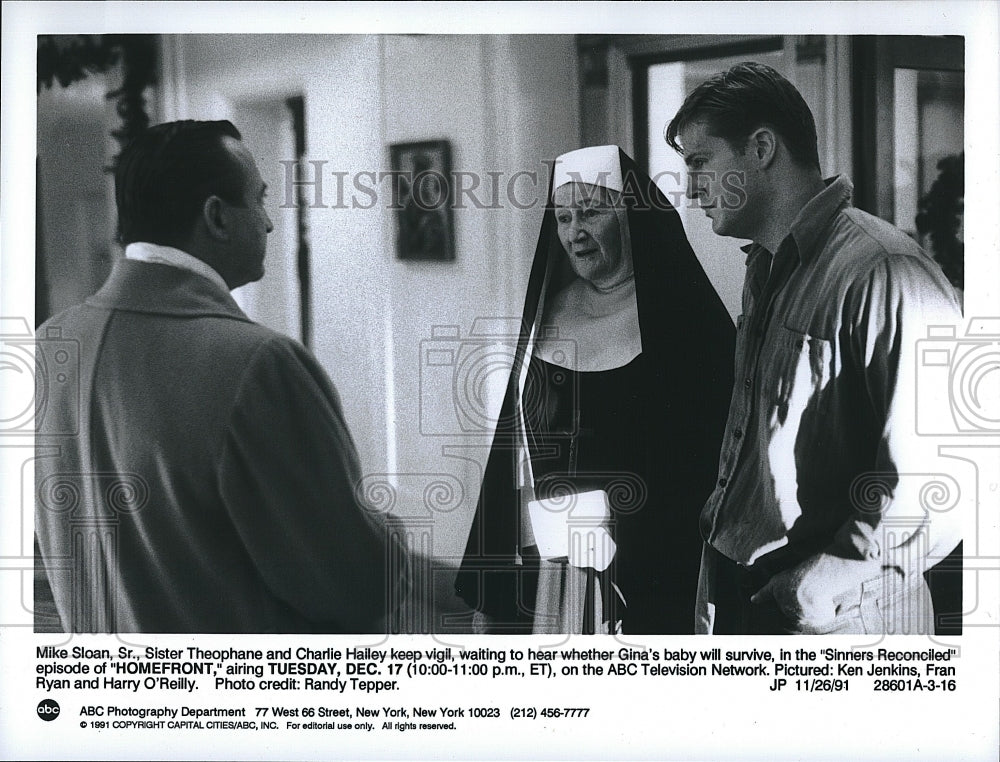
(194, 470)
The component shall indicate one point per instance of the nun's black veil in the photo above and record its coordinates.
(688, 343)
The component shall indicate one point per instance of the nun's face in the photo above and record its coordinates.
(589, 231)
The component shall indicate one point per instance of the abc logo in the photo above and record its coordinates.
(48, 709)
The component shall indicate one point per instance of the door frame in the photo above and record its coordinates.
(873, 61)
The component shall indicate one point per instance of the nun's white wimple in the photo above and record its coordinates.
(594, 165)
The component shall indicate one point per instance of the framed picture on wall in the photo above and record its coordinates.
(423, 200)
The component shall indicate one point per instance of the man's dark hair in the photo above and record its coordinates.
(165, 174)
(748, 96)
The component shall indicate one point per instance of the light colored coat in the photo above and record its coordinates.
(195, 472)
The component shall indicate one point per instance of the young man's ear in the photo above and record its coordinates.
(213, 214)
(764, 144)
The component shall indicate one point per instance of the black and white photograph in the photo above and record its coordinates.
(500, 381)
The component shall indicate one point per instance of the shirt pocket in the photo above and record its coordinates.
(797, 378)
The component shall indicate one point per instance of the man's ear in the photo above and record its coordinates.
(213, 214)
(764, 144)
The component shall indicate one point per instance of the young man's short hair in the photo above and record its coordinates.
(748, 96)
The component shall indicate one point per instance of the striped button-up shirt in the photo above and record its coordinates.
(821, 450)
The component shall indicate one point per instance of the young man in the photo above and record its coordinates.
(211, 482)
(816, 524)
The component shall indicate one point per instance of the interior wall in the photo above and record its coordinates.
(506, 104)
(77, 231)
(266, 126)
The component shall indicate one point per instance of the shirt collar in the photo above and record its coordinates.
(813, 218)
(816, 215)
(168, 255)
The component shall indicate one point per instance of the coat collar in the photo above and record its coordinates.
(168, 255)
(158, 289)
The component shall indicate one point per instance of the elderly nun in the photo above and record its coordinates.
(607, 443)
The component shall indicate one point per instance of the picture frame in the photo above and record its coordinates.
(423, 198)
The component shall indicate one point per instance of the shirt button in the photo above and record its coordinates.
(747, 383)
(738, 433)
(723, 482)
